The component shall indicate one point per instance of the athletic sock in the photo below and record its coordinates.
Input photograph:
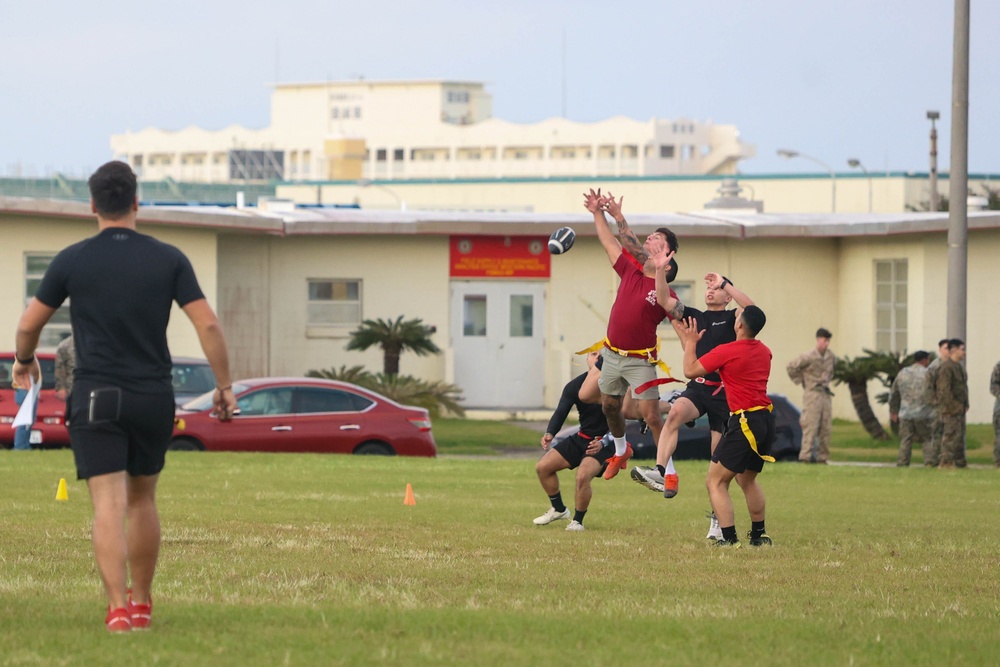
(757, 529)
(557, 503)
(578, 515)
(620, 445)
(660, 469)
(729, 534)
(670, 466)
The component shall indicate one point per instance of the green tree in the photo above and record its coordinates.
(394, 336)
(856, 374)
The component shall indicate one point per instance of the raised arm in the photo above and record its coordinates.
(628, 239)
(594, 202)
(720, 282)
(664, 295)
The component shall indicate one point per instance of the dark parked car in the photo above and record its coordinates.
(191, 378)
(306, 415)
(695, 442)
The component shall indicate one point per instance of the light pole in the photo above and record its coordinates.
(789, 154)
(368, 183)
(856, 164)
(933, 116)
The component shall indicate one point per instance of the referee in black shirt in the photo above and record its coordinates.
(122, 285)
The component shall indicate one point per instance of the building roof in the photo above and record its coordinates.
(324, 221)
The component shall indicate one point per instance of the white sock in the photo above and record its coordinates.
(670, 467)
(620, 445)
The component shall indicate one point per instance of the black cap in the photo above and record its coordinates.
(823, 333)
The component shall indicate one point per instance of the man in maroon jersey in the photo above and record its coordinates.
(744, 366)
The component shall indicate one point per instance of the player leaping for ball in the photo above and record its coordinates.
(703, 394)
(631, 339)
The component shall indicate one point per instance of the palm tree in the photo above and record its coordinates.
(394, 337)
(438, 397)
(856, 373)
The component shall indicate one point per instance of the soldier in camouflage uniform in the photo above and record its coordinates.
(952, 387)
(814, 371)
(995, 390)
(909, 406)
(932, 373)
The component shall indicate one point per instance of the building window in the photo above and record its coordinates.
(334, 302)
(890, 305)
(398, 154)
(666, 152)
(380, 155)
(58, 327)
(335, 112)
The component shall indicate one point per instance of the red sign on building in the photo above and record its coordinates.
(499, 257)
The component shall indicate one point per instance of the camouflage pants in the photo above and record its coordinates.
(933, 452)
(953, 440)
(996, 433)
(816, 422)
(910, 431)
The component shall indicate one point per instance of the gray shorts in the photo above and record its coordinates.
(619, 373)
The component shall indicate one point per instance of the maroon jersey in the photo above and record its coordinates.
(635, 313)
(744, 366)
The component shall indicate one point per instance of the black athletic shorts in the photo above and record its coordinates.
(574, 449)
(716, 406)
(734, 451)
(135, 441)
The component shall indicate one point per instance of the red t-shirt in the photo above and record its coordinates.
(744, 366)
(635, 313)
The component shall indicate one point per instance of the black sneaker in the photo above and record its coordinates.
(725, 543)
(762, 541)
(643, 426)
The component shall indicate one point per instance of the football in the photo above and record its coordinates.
(561, 240)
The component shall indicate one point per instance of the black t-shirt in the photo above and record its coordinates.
(718, 327)
(592, 420)
(122, 285)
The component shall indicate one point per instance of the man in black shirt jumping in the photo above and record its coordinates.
(122, 285)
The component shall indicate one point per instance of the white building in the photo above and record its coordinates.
(404, 130)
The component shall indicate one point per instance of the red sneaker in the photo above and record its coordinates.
(141, 614)
(617, 463)
(670, 484)
(118, 620)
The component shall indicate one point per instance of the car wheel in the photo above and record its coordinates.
(375, 448)
(186, 445)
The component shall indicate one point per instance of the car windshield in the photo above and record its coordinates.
(204, 402)
(190, 378)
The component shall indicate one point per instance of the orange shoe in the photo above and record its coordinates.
(617, 463)
(118, 620)
(670, 484)
(141, 614)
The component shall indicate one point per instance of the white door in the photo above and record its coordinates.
(496, 333)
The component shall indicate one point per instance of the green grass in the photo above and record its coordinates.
(314, 560)
(849, 441)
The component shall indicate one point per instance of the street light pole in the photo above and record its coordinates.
(933, 116)
(958, 179)
(368, 183)
(856, 164)
(789, 154)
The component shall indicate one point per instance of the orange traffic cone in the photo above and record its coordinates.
(61, 490)
(409, 499)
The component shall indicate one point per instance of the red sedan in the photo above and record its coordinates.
(49, 429)
(306, 415)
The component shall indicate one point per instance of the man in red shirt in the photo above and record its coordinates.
(744, 366)
(631, 344)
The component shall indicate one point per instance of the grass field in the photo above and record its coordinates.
(314, 560)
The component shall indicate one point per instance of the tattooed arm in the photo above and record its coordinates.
(594, 202)
(627, 237)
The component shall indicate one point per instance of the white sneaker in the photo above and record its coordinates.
(575, 525)
(551, 515)
(714, 530)
(648, 477)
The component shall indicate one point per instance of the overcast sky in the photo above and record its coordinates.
(834, 80)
